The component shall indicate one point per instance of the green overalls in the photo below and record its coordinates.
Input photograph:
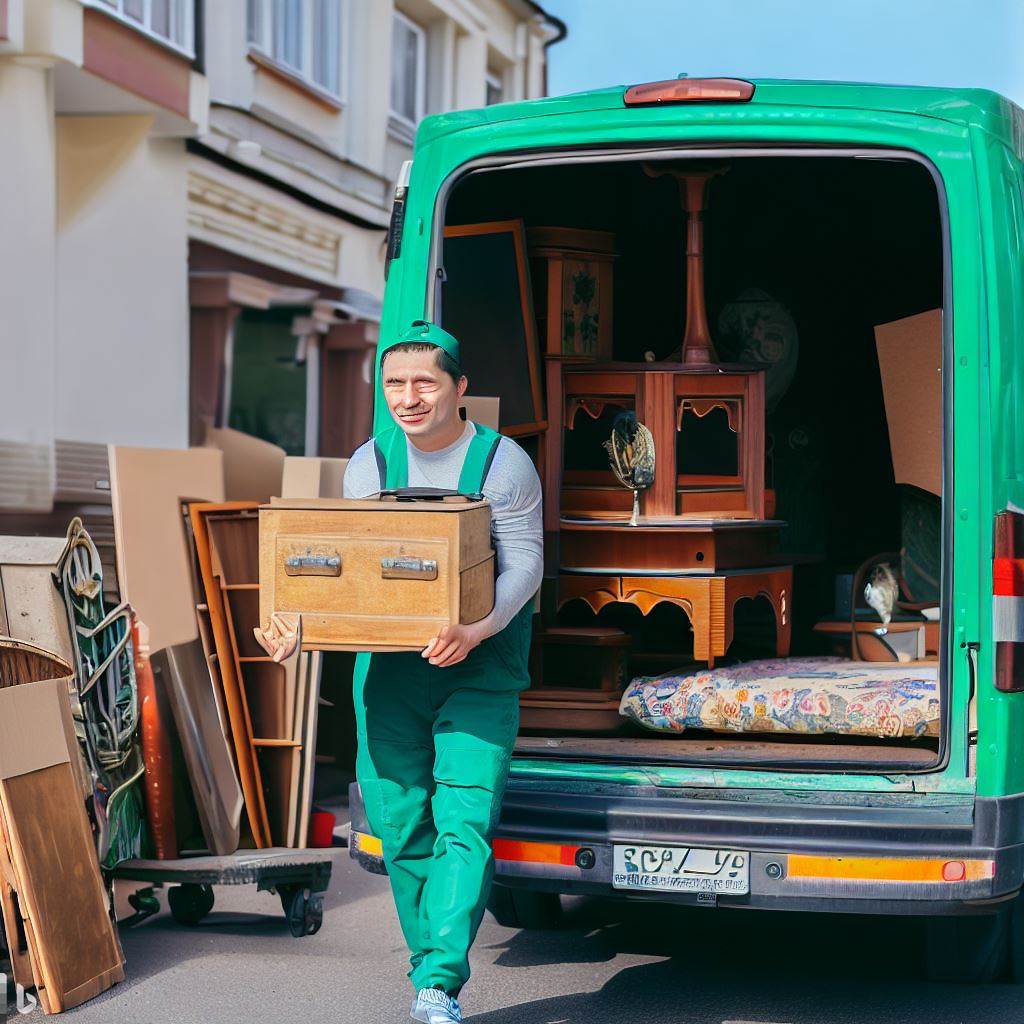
(433, 758)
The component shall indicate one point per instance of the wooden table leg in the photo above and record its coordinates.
(774, 584)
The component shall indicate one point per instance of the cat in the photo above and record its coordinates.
(881, 591)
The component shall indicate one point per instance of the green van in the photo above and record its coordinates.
(836, 209)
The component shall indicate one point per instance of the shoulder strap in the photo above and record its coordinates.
(479, 458)
(392, 459)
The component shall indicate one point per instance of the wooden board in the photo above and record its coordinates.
(185, 675)
(11, 919)
(148, 487)
(310, 694)
(252, 467)
(75, 951)
(910, 362)
(72, 944)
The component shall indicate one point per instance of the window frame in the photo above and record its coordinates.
(496, 78)
(261, 33)
(420, 34)
(115, 9)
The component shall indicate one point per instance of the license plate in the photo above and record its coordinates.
(681, 869)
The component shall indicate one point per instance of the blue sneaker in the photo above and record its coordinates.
(432, 1006)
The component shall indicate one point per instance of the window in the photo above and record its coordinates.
(303, 36)
(408, 69)
(495, 87)
(169, 21)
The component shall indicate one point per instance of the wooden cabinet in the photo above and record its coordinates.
(572, 273)
(670, 399)
(375, 575)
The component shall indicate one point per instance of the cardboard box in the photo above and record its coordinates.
(312, 477)
(375, 575)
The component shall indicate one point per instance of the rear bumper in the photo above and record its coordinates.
(782, 833)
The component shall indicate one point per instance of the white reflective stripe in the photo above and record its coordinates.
(1008, 619)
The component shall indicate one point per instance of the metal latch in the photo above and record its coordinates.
(313, 565)
(408, 569)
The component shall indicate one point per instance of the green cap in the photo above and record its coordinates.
(425, 333)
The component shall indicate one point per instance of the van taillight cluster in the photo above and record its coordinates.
(1008, 600)
(689, 90)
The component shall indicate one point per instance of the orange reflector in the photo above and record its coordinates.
(889, 869)
(689, 90)
(534, 853)
(368, 844)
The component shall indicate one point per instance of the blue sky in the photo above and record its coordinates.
(914, 42)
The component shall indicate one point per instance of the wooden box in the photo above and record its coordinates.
(373, 574)
(582, 659)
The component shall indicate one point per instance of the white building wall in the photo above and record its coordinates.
(27, 289)
(122, 284)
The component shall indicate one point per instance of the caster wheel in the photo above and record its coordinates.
(304, 911)
(314, 914)
(190, 903)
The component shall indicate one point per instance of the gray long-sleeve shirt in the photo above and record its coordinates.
(513, 489)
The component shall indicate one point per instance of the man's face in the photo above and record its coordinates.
(422, 398)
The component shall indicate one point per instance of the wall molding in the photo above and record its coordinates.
(227, 214)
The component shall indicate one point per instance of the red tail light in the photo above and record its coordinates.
(1008, 601)
(689, 90)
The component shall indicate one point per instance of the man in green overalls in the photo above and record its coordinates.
(436, 728)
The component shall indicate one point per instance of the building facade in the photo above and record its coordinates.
(195, 198)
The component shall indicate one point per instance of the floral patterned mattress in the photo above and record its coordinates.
(793, 695)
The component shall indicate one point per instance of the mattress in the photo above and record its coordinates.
(791, 695)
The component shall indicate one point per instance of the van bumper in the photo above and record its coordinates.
(781, 832)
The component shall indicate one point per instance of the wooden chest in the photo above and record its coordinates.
(372, 574)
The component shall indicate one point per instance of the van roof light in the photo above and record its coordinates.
(689, 90)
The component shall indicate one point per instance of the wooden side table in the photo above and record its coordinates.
(709, 601)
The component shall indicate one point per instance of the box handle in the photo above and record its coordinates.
(313, 565)
(408, 569)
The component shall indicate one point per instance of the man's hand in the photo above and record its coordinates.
(452, 644)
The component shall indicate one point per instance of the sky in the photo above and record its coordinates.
(908, 42)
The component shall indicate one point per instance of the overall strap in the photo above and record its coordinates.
(393, 459)
(478, 459)
(392, 456)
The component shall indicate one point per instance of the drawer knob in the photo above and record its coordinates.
(408, 569)
(313, 565)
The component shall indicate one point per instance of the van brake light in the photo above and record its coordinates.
(1008, 600)
(689, 90)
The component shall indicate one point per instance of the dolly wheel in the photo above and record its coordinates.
(190, 903)
(303, 910)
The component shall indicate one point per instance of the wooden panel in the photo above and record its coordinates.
(662, 548)
(75, 951)
(308, 697)
(128, 59)
(657, 415)
(12, 920)
(487, 304)
(148, 486)
(190, 683)
(590, 382)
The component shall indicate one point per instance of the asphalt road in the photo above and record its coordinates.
(610, 962)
